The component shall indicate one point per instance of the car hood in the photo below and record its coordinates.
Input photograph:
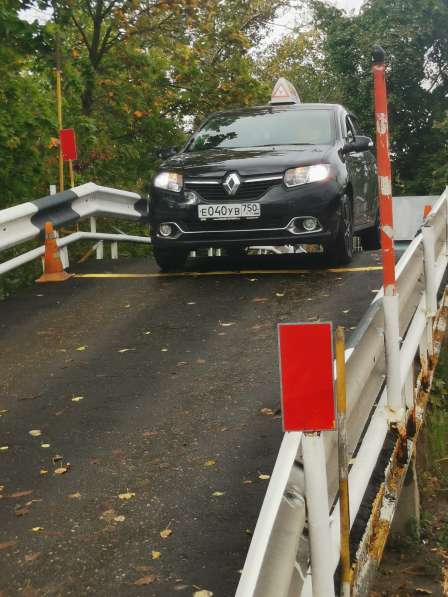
(247, 161)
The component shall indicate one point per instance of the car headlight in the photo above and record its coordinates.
(305, 174)
(170, 181)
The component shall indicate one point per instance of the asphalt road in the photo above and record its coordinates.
(150, 389)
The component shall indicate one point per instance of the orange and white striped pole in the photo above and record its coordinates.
(390, 301)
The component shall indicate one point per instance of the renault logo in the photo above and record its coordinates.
(232, 183)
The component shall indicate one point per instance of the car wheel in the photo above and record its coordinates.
(371, 237)
(340, 251)
(170, 259)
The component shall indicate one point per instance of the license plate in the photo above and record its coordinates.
(226, 211)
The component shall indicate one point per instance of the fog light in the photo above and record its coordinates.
(310, 224)
(165, 229)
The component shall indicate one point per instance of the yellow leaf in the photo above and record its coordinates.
(126, 496)
(45, 445)
(210, 462)
(54, 142)
(43, 471)
(267, 412)
(155, 555)
(81, 348)
(37, 529)
(4, 448)
(35, 432)
(264, 477)
(61, 470)
(77, 398)
(74, 496)
(138, 114)
(119, 518)
(203, 593)
(166, 533)
(3, 412)
(218, 493)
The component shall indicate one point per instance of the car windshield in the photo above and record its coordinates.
(264, 128)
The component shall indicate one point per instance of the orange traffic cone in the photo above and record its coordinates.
(53, 270)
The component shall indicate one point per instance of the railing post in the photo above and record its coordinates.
(100, 246)
(390, 300)
(114, 250)
(430, 281)
(316, 490)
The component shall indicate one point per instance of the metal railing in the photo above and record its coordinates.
(26, 221)
(277, 562)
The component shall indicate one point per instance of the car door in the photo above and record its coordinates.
(372, 186)
(359, 174)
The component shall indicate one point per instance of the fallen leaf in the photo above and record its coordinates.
(120, 518)
(210, 462)
(155, 555)
(81, 348)
(200, 361)
(35, 432)
(19, 494)
(218, 493)
(31, 557)
(61, 470)
(164, 350)
(108, 515)
(77, 398)
(3, 412)
(279, 294)
(422, 591)
(74, 496)
(226, 325)
(203, 593)
(247, 482)
(191, 303)
(264, 477)
(45, 445)
(267, 412)
(147, 333)
(345, 311)
(145, 580)
(126, 496)
(150, 433)
(126, 349)
(56, 458)
(253, 279)
(43, 471)
(248, 531)
(166, 533)
(259, 299)
(37, 529)
(4, 448)
(128, 306)
(21, 511)
(7, 544)
(182, 363)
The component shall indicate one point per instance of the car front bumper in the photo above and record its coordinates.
(279, 208)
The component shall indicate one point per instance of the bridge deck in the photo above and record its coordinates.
(173, 373)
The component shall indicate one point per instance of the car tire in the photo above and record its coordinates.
(340, 250)
(170, 259)
(371, 237)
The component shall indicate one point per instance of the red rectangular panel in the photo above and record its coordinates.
(306, 371)
(68, 144)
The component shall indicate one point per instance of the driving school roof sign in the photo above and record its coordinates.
(284, 93)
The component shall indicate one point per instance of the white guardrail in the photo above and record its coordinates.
(277, 563)
(26, 221)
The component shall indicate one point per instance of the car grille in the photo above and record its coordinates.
(247, 191)
(246, 224)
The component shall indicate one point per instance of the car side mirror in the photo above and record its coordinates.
(166, 152)
(360, 143)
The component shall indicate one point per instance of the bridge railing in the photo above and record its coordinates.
(277, 562)
(26, 221)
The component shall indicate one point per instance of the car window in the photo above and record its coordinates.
(265, 128)
(351, 131)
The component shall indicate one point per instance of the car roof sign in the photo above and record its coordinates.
(284, 93)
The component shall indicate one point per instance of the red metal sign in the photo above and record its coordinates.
(68, 144)
(306, 371)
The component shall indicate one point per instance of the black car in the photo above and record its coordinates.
(281, 174)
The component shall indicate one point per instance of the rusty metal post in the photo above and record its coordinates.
(344, 505)
(390, 300)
